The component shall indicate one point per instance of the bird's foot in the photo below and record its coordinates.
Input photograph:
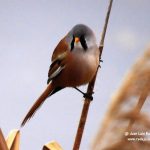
(85, 95)
(100, 60)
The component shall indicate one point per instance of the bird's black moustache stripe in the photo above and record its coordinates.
(82, 41)
(72, 43)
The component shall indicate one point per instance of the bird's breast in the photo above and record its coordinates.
(79, 70)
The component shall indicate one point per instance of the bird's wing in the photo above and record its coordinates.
(56, 67)
(58, 60)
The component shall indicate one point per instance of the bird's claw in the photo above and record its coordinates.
(85, 95)
(100, 60)
(88, 96)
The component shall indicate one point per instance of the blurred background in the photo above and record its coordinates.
(29, 32)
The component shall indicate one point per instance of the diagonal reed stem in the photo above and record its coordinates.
(138, 107)
(90, 88)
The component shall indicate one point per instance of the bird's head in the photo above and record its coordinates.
(81, 37)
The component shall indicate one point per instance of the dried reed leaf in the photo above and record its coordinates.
(13, 140)
(3, 145)
(53, 145)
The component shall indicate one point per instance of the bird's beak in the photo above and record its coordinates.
(77, 39)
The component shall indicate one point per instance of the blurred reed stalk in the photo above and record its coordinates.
(128, 112)
(90, 88)
(138, 107)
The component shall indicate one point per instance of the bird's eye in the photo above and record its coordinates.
(72, 43)
(83, 42)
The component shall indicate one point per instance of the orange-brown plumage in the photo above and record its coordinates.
(74, 63)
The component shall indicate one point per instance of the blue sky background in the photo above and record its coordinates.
(29, 32)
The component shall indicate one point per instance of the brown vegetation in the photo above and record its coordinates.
(128, 112)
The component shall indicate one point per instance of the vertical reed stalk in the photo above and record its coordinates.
(90, 88)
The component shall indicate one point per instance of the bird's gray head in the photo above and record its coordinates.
(81, 36)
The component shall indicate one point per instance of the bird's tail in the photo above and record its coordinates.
(48, 91)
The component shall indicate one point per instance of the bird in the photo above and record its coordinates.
(74, 62)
